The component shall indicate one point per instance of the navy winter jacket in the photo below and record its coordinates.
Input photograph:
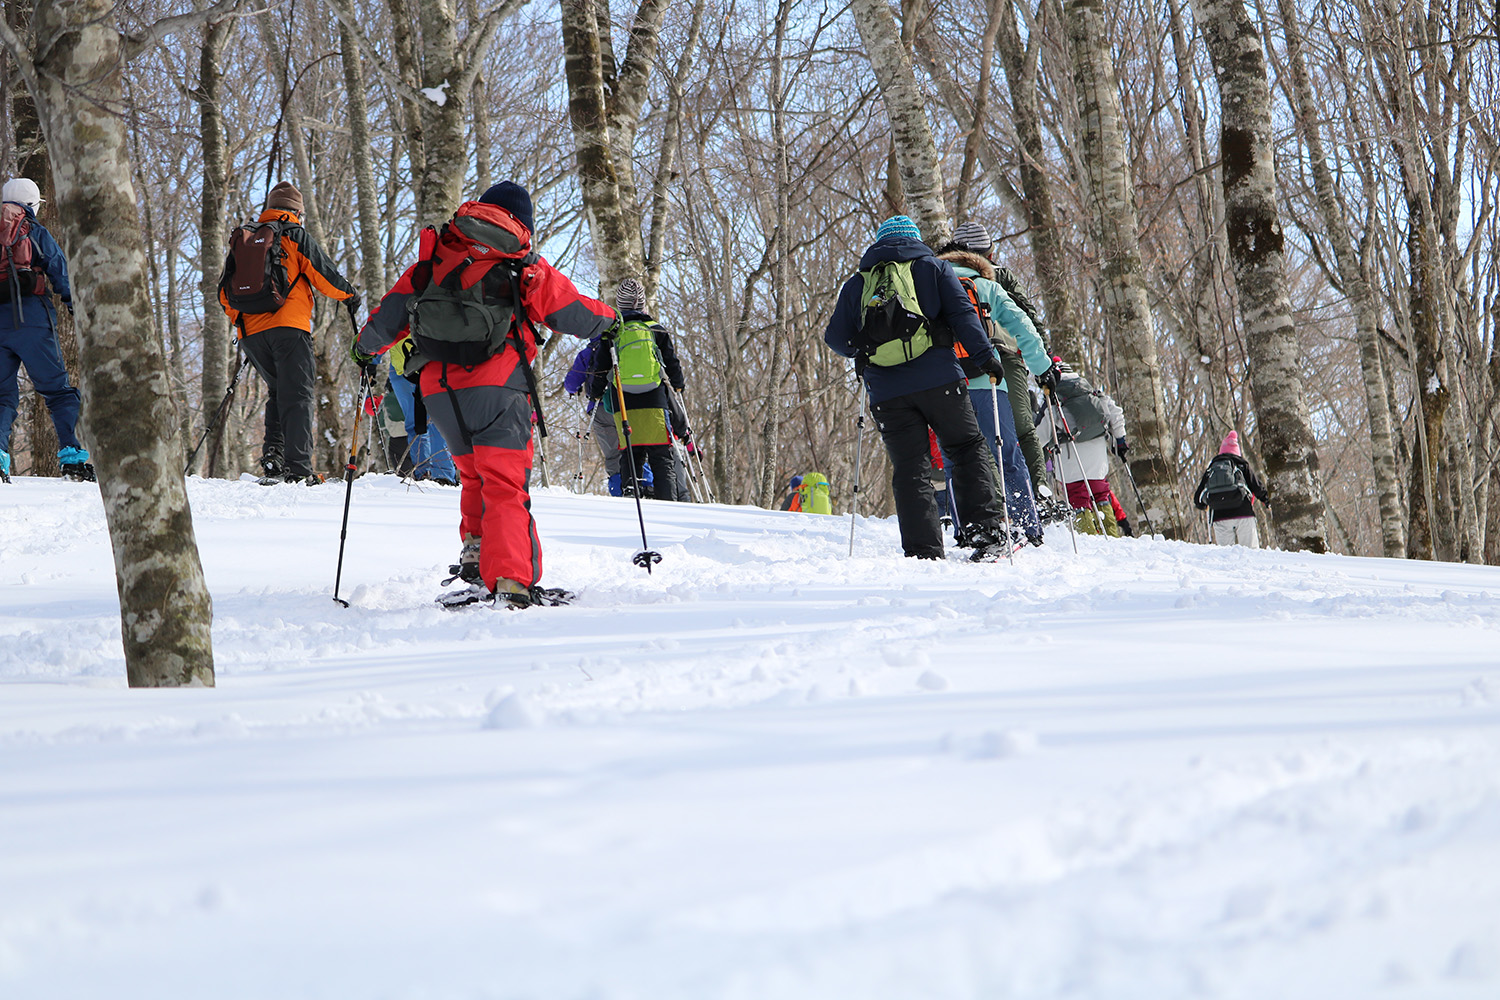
(36, 310)
(943, 301)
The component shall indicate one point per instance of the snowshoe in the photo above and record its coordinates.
(474, 593)
(1052, 510)
(78, 472)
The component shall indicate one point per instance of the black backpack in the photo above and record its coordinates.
(1224, 485)
(254, 278)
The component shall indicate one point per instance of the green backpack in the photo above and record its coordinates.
(635, 353)
(813, 492)
(892, 328)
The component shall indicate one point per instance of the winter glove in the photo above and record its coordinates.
(993, 368)
(372, 403)
(1048, 379)
(353, 303)
(1121, 448)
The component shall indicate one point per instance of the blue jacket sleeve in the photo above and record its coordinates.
(844, 324)
(54, 261)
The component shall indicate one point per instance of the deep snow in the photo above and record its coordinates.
(767, 770)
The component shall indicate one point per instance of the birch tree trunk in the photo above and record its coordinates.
(165, 609)
(1127, 312)
(1356, 287)
(916, 151)
(372, 260)
(212, 232)
(1258, 258)
(604, 103)
(666, 160)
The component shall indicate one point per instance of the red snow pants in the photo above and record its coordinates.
(489, 434)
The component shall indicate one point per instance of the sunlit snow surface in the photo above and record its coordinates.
(768, 770)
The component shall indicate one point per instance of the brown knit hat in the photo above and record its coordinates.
(284, 197)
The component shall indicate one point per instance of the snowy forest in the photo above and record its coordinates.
(1275, 218)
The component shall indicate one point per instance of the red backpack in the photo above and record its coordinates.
(467, 299)
(18, 276)
(254, 278)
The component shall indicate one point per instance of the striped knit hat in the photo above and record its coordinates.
(897, 225)
(631, 297)
(973, 237)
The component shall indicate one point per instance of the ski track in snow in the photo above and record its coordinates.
(766, 770)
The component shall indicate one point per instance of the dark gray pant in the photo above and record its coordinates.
(903, 423)
(284, 358)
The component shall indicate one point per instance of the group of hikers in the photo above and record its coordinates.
(948, 345)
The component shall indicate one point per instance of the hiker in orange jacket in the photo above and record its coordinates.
(279, 344)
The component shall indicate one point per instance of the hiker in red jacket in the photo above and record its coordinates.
(480, 392)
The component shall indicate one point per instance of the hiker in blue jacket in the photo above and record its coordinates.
(928, 390)
(28, 330)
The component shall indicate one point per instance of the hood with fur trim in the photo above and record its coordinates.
(973, 261)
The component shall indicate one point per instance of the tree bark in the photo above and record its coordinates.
(217, 336)
(165, 609)
(1356, 287)
(667, 159)
(1127, 312)
(1257, 255)
(780, 334)
(372, 260)
(916, 151)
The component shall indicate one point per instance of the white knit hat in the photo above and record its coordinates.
(22, 191)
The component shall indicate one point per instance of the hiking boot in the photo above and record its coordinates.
(467, 568)
(510, 592)
(75, 465)
(273, 466)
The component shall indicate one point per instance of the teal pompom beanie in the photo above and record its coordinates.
(897, 225)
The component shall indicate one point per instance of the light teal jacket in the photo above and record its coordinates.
(1003, 309)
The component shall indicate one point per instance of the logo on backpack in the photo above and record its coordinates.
(1224, 485)
(16, 256)
(635, 353)
(254, 279)
(468, 297)
(892, 329)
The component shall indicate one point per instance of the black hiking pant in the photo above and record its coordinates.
(903, 423)
(284, 358)
(663, 469)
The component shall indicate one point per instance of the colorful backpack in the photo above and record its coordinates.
(254, 279)
(16, 256)
(635, 354)
(467, 301)
(893, 330)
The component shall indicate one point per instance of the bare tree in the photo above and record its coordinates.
(73, 70)
(1257, 247)
(1127, 311)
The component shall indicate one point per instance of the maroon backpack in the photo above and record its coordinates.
(254, 278)
(18, 275)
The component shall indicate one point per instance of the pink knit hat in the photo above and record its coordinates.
(1231, 444)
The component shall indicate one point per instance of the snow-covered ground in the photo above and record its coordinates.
(768, 770)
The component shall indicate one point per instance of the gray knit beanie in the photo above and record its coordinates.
(631, 297)
(973, 237)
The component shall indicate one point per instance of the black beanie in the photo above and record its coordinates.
(513, 198)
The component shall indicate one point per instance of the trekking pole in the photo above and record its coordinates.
(1057, 456)
(1010, 538)
(1078, 461)
(578, 478)
(366, 382)
(859, 440)
(703, 485)
(1145, 514)
(644, 558)
(218, 415)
